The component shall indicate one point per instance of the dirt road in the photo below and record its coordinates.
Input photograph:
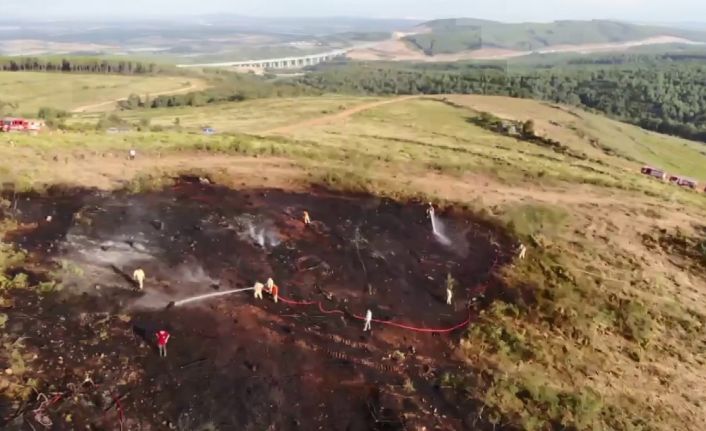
(320, 121)
(96, 106)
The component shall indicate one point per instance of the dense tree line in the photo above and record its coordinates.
(225, 87)
(665, 97)
(79, 64)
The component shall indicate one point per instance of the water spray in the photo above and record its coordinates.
(437, 227)
(206, 296)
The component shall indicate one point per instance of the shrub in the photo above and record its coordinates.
(635, 321)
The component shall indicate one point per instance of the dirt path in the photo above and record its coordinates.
(192, 87)
(320, 121)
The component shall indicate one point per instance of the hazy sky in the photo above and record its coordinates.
(504, 10)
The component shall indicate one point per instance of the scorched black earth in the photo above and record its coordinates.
(234, 362)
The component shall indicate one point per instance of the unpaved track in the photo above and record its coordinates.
(326, 119)
(93, 107)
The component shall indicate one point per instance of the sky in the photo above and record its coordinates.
(501, 10)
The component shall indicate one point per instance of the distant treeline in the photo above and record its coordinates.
(81, 65)
(225, 87)
(668, 97)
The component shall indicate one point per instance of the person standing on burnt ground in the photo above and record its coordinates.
(272, 289)
(450, 285)
(430, 210)
(368, 321)
(258, 289)
(162, 340)
(307, 219)
(139, 277)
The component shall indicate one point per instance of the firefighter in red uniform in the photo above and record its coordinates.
(162, 340)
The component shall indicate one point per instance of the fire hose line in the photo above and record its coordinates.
(121, 412)
(384, 322)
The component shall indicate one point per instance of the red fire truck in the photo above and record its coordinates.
(21, 125)
(684, 182)
(654, 172)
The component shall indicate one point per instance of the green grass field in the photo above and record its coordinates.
(252, 116)
(599, 328)
(32, 90)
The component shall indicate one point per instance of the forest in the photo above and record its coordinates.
(663, 95)
(80, 65)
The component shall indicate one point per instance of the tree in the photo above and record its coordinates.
(528, 129)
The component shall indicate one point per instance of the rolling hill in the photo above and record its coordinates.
(26, 92)
(599, 327)
(452, 36)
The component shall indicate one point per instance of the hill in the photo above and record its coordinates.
(23, 93)
(452, 36)
(599, 327)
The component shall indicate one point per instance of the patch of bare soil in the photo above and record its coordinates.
(236, 362)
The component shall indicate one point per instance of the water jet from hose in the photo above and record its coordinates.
(438, 228)
(206, 296)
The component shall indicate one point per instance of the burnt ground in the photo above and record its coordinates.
(236, 363)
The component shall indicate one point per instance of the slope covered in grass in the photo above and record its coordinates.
(454, 35)
(29, 91)
(617, 143)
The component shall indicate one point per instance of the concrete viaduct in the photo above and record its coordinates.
(277, 63)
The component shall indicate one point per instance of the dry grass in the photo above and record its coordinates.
(33, 90)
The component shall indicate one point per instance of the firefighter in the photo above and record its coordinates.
(368, 321)
(450, 284)
(132, 154)
(430, 210)
(139, 277)
(522, 251)
(258, 289)
(272, 289)
(162, 340)
(307, 219)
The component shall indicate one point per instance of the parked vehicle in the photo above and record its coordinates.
(654, 172)
(10, 124)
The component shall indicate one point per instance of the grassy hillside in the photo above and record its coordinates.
(599, 137)
(29, 91)
(601, 327)
(454, 35)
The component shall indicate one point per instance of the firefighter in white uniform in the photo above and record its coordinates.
(368, 321)
(258, 289)
(139, 277)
